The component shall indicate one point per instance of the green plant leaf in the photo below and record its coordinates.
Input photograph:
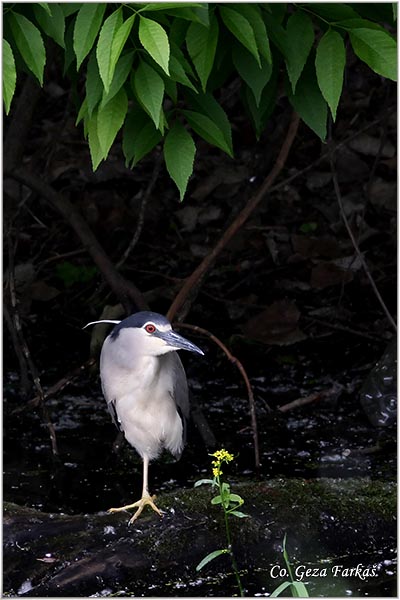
(104, 53)
(201, 43)
(155, 41)
(236, 498)
(330, 61)
(277, 34)
(94, 85)
(69, 8)
(299, 590)
(207, 129)
(118, 43)
(45, 7)
(309, 102)
(300, 39)
(210, 557)
(9, 75)
(110, 119)
(179, 152)
(149, 89)
(260, 114)
(96, 152)
(248, 69)
(54, 24)
(29, 43)
(216, 500)
(122, 70)
(241, 29)
(376, 48)
(281, 588)
(207, 105)
(178, 73)
(203, 482)
(333, 12)
(83, 111)
(87, 26)
(139, 136)
(238, 513)
(252, 13)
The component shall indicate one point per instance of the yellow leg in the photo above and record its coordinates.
(145, 499)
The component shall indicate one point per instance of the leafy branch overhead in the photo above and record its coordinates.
(154, 71)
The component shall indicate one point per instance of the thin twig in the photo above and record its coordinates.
(189, 290)
(315, 397)
(57, 387)
(140, 223)
(25, 350)
(355, 245)
(124, 289)
(242, 370)
(344, 328)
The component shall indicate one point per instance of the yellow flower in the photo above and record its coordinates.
(222, 455)
(216, 472)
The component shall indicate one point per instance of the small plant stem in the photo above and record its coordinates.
(229, 544)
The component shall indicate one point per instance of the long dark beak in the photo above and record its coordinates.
(171, 338)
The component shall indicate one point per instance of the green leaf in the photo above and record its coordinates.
(277, 34)
(139, 136)
(309, 102)
(198, 14)
(300, 39)
(96, 152)
(333, 12)
(29, 43)
(54, 24)
(241, 29)
(155, 41)
(216, 500)
(118, 43)
(94, 85)
(207, 105)
(329, 63)
(376, 48)
(154, 6)
(207, 129)
(201, 43)
(260, 114)
(252, 13)
(178, 73)
(45, 7)
(236, 498)
(9, 75)
(203, 481)
(250, 72)
(110, 119)
(280, 589)
(105, 58)
(299, 590)
(210, 557)
(69, 8)
(179, 152)
(122, 70)
(87, 26)
(238, 513)
(149, 89)
(83, 112)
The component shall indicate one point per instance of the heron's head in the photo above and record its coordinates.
(148, 333)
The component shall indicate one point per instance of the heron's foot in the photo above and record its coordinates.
(140, 504)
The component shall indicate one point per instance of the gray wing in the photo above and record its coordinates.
(181, 391)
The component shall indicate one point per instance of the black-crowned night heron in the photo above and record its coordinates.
(145, 386)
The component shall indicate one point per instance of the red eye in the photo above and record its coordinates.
(150, 328)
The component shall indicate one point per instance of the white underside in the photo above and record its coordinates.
(143, 400)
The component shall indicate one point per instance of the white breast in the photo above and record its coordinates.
(142, 391)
